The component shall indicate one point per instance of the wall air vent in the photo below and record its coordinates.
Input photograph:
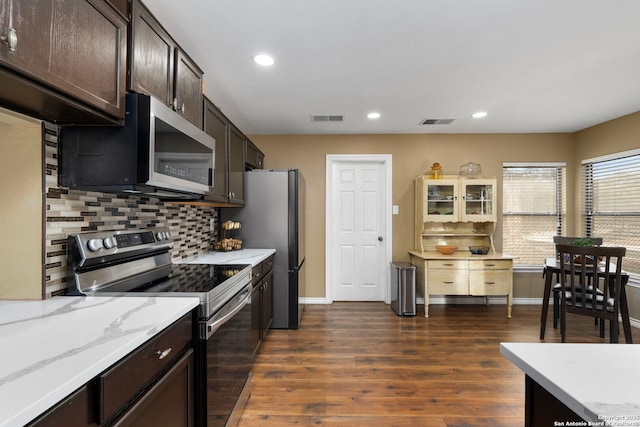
(436, 121)
(326, 118)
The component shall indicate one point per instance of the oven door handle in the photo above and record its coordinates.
(215, 322)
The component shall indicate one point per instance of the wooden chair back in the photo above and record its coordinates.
(601, 268)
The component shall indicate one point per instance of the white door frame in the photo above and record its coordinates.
(385, 160)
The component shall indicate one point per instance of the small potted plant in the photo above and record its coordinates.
(583, 241)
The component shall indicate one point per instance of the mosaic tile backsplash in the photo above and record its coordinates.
(71, 211)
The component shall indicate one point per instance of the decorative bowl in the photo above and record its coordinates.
(446, 249)
(479, 250)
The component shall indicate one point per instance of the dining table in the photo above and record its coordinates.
(552, 268)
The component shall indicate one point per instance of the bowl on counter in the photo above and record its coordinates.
(479, 250)
(446, 249)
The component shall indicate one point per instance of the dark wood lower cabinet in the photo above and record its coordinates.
(169, 402)
(261, 302)
(266, 304)
(152, 386)
(75, 410)
(544, 409)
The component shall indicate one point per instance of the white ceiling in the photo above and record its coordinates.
(533, 65)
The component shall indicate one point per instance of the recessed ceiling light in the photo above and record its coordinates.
(479, 114)
(373, 115)
(264, 60)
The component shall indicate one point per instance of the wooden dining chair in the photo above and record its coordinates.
(601, 267)
(564, 240)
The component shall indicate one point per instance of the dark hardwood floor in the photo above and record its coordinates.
(358, 364)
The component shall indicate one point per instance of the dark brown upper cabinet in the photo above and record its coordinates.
(122, 6)
(63, 61)
(253, 157)
(228, 177)
(159, 68)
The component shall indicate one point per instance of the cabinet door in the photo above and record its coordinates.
(150, 56)
(236, 166)
(188, 88)
(216, 125)
(170, 402)
(440, 200)
(75, 410)
(477, 200)
(266, 305)
(253, 157)
(122, 6)
(76, 47)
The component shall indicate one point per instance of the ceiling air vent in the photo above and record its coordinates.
(326, 118)
(436, 121)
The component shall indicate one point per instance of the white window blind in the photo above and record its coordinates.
(612, 204)
(533, 210)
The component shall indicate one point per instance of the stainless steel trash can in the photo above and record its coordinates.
(403, 288)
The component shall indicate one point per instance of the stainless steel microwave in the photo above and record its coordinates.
(157, 153)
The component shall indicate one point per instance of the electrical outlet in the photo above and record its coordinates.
(212, 225)
(396, 210)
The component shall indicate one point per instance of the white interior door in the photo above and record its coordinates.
(358, 230)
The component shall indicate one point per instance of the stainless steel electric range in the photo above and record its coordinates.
(137, 262)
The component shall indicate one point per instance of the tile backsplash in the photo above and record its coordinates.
(71, 211)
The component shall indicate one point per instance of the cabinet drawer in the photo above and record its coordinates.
(448, 264)
(447, 282)
(267, 265)
(490, 282)
(256, 274)
(127, 378)
(490, 264)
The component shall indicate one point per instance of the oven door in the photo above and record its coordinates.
(224, 362)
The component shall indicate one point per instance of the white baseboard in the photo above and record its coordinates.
(635, 323)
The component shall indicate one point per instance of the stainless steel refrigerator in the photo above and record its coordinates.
(273, 216)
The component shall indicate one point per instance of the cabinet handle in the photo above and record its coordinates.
(162, 354)
(256, 275)
(489, 265)
(182, 108)
(489, 283)
(448, 283)
(11, 39)
(174, 104)
(448, 265)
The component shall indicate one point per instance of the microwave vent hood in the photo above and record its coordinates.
(113, 159)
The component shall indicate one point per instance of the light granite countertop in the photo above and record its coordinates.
(52, 347)
(574, 374)
(244, 256)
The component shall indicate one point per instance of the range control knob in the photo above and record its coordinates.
(160, 235)
(94, 244)
(167, 234)
(109, 242)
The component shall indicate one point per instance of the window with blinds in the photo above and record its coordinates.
(612, 203)
(533, 210)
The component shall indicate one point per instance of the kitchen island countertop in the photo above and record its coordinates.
(243, 256)
(574, 374)
(53, 347)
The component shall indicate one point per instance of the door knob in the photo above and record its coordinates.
(380, 238)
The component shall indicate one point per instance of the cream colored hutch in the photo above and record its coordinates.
(458, 211)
